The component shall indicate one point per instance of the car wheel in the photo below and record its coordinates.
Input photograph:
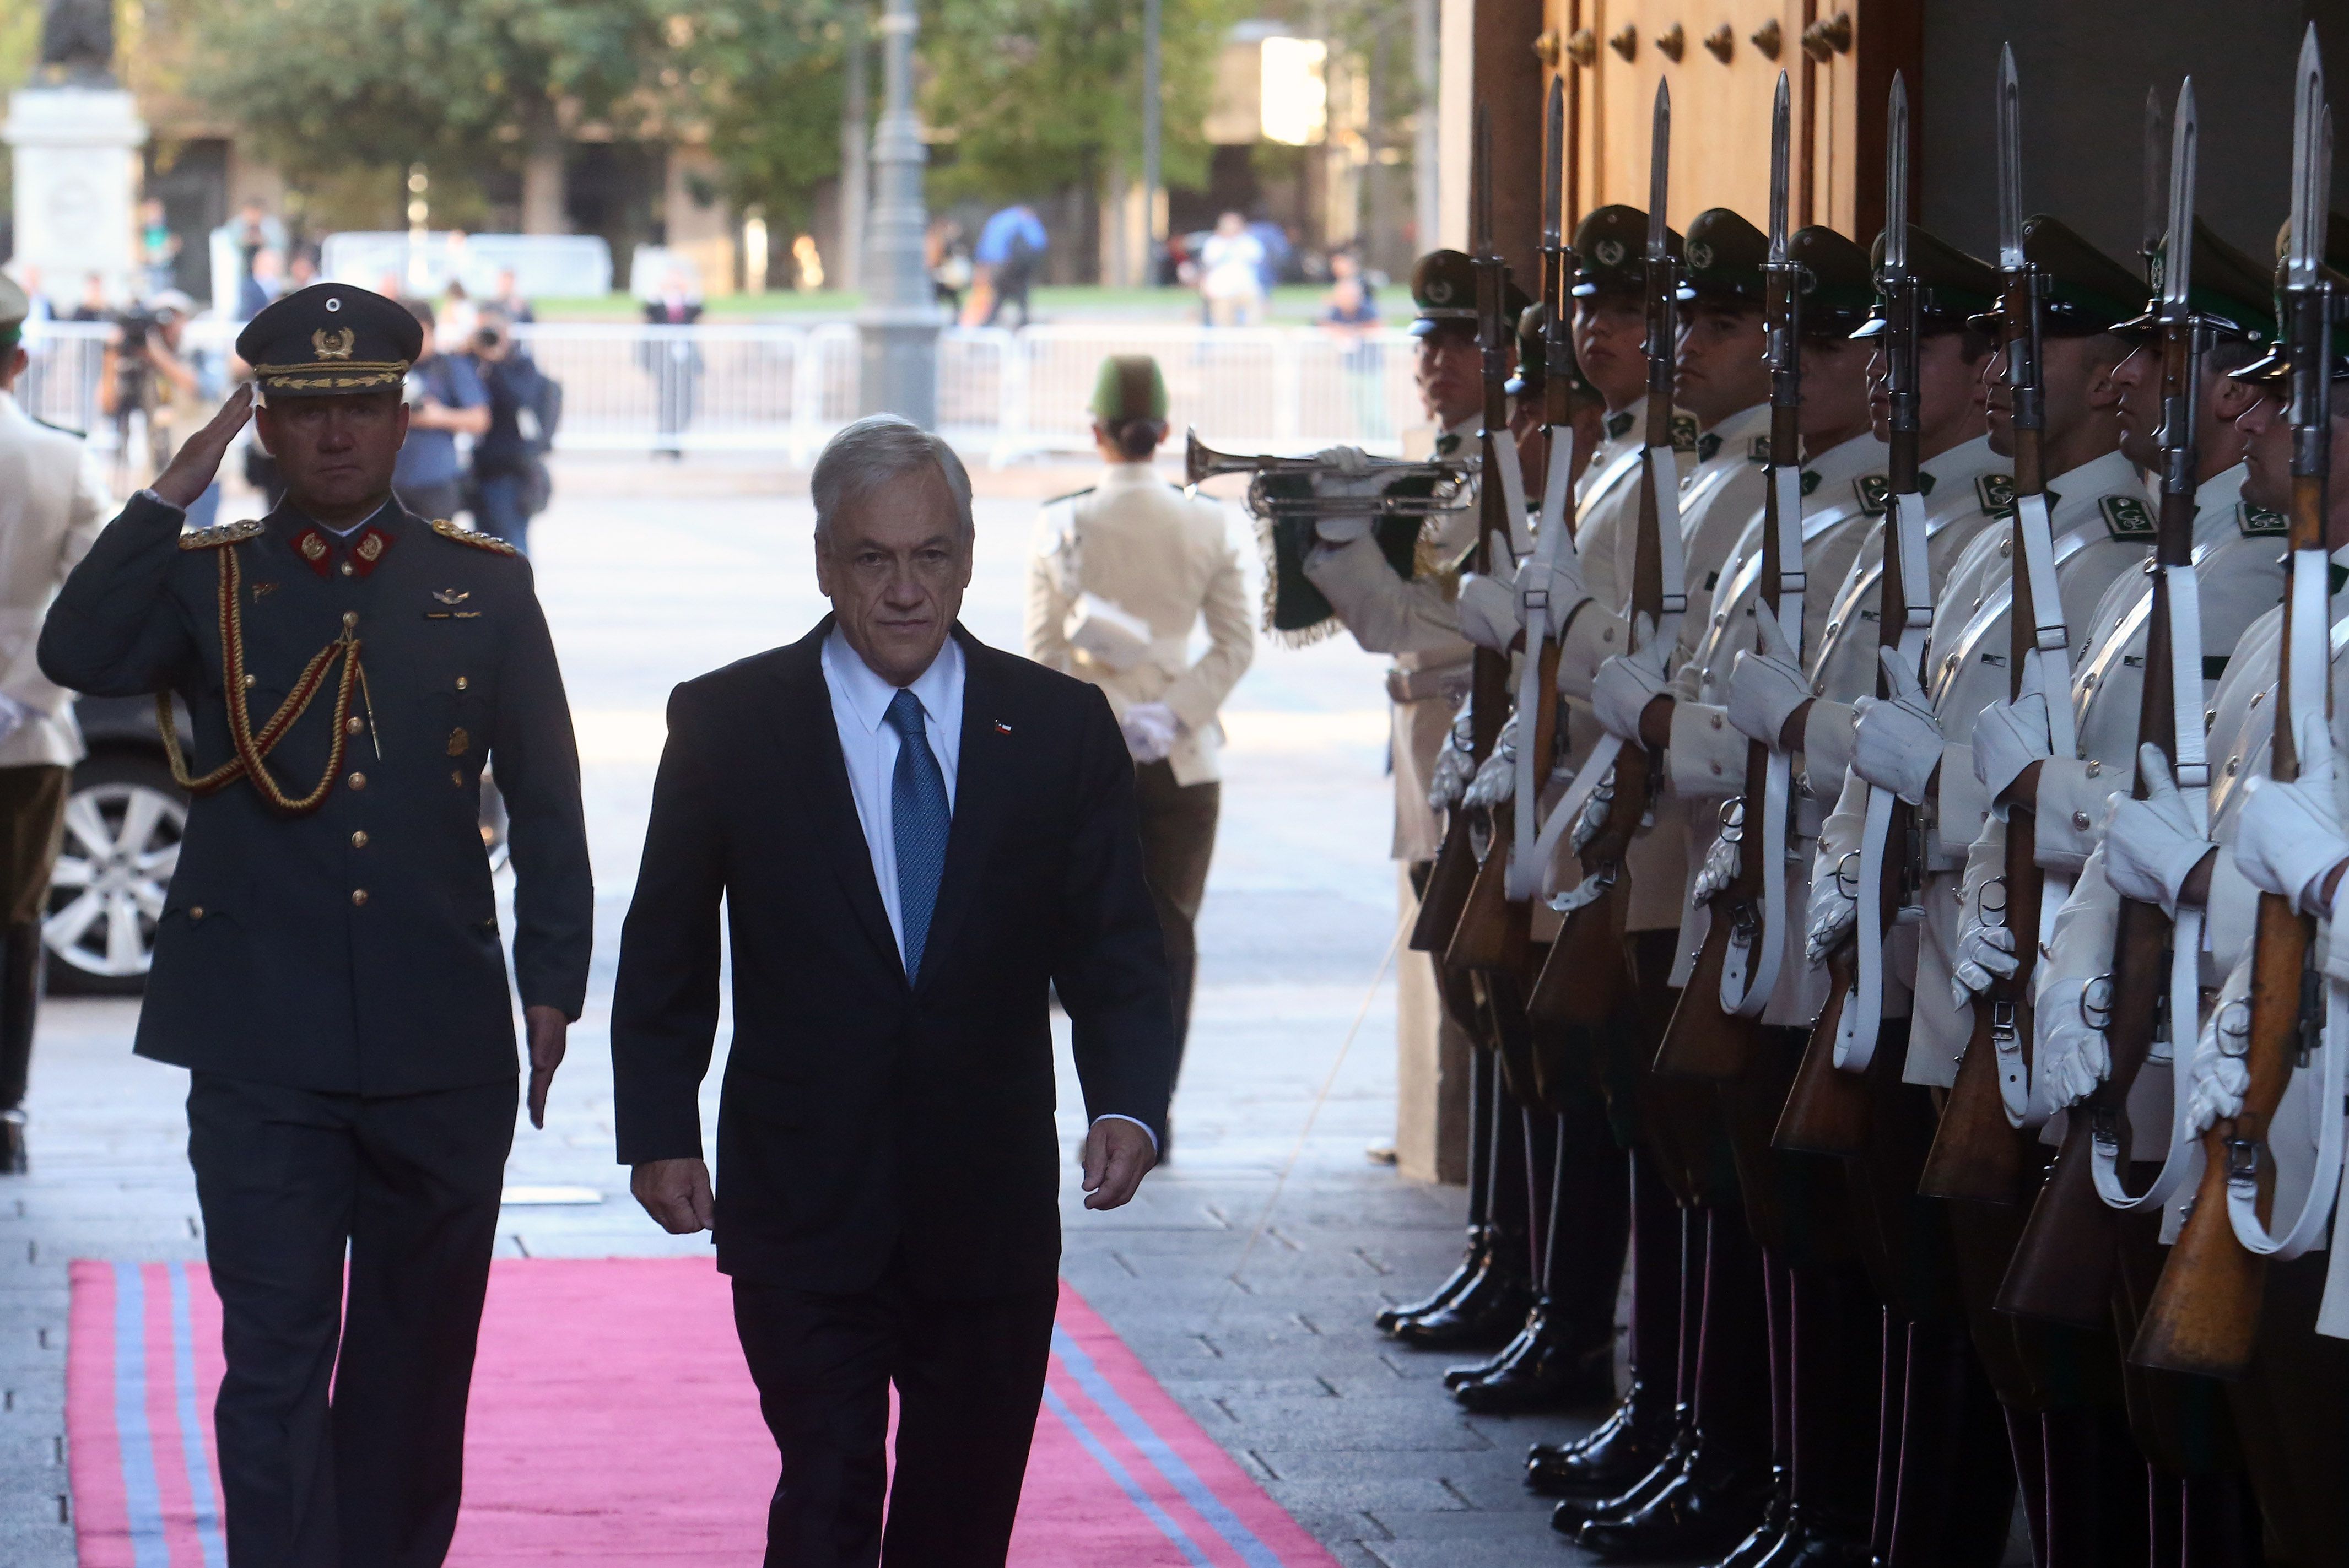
(124, 821)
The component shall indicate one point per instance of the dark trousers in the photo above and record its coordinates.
(32, 830)
(969, 1374)
(500, 511)
(1178, 840)
(289, 1178)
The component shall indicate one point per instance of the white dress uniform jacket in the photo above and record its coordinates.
(52, 507)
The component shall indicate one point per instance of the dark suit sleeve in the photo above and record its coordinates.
(113, 631)
(664, 1003)
(1111, 972)
(536, 759)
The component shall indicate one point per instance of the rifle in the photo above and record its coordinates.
(2063, 1263)
(1493, 934)
(2204, 1314)
(1563, 992)
(1827, 1113)
(1712, 1028)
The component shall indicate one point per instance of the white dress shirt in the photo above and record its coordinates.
(869, 744)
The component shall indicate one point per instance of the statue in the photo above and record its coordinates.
(77, 44)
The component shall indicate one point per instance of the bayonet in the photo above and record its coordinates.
(2010, 162)
(2158, 186)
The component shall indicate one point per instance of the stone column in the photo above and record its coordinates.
(75, 161)
(899, 324)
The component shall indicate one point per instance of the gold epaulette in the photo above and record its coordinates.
(225, 533)
(478, 540)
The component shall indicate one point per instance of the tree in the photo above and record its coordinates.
(766, 76)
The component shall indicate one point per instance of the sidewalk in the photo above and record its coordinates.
(1281, 1365)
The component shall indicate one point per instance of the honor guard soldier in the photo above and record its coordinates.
(328, 963)
(1120, 574)
(52, 505)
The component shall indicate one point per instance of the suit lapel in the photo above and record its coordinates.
(982, 779)
(812, 759)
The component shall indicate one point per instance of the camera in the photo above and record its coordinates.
(137, 324)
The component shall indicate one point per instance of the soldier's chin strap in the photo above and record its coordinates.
(252, 749)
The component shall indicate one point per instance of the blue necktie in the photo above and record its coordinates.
(918, 819)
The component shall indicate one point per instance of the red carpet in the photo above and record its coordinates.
(613, 1423)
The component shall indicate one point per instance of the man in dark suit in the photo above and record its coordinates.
(917, 838)
(329, 960)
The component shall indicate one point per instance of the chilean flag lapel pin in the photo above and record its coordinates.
(1001, 728)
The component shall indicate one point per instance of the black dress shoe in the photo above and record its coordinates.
(1776, 1529)
(1486, 1315)
(1621, 1448)
(1472, 1263)
(1814, 1542)
(1477, 1371)
(1550, 1374)
(14, 1160)
(1575, 1511)
(1710, 1506)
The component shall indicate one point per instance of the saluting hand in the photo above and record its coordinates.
(190, 472)
(549, 1030)
(1118, 1154)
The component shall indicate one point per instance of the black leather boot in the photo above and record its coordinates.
(1575, 1511)
(1474, 1371)
(1769, 1536)
(21, 956)
(1617, 1453)
(1547, 1371)
(1486, 1313)
(1472, 1263)
(1809, 1541)
(1714, 1502)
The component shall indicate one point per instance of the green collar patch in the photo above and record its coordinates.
(1758, 449)
(1685, 432)
(2254, 519)
(1619, 424)
(2127, 517)
(1872, 489)
(1810, 480)
(1708, 447)
(1996, 493)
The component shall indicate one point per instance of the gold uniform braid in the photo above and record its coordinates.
(251, 750)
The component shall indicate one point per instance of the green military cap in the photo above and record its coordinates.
(1725, 257)
(1611, 251)
(330, 340)
(1444, 288)
(1838, 285)
(14, 308)
(1533, 357)
(1128, 386)
(2274, 369)
(1951, 286)
(2087, 291)
(2228, 291)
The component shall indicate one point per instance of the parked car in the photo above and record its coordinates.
(124, 821)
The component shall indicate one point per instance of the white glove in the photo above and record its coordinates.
(1985, 944)
(2009, 737)
(1488, 611)
(1720, 869)
(1497, 776)
(1150, 728)
(1624, 686)
(2219, 1075)
(2290, 835)
(1835, 910)
(1564, 581)
(1450, 777)
(2150, 845)
(1346, 462)
(1896, 744)
(2071, 1056)
(1765, 686)
(1594, 814)
(12, 714)
(1351, 474)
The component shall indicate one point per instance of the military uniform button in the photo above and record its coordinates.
(2256, 697)
(358, 896)
(350, 617)
(1716, 721)
(2234, 765)
(1716, 767)
(359, 839)
(347, 569)
(353, 725)
(462, 682)
(251, 680)
(358, 780)
(2095, 768)
(2088, 681)
(196, 912)
(2080, 821)
(2006, 547)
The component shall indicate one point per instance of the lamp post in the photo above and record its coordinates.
(900, 321)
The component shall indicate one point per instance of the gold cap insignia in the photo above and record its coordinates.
(334, 342)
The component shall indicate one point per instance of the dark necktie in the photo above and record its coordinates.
(918, 820)
(1445, 445)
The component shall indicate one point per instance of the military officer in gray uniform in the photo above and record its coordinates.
(330, 963)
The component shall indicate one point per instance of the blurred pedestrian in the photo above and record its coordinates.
(153, 377)
(1350, 314)
(1011, 247)
(50, 512)
(948, 256)
(673, 360)
(260, 285)
(509, 298)
(1276, 252)
(1120, 575)
(301, 268)
(1231, 273)
(158, 248)
(92, 305)
(445, 400)
(510, 484)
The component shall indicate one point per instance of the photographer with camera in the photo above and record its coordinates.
(148, 372)
(510, 484)
(445, 400)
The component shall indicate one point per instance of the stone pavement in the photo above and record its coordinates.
(650, 575)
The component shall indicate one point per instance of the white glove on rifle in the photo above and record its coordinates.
(2071, 1056)
(1497, 776)
(1488, 611)
(2218, 1073)
(1626, 683)
(2290, 835)
(1350, 474)
(1765, 686)
(1150, 728)
(1594, 814)
(1985, 944)
(1833, 912)
(2009, 737)
(1896, 742)
(1720, 869)
(2151, 845)
(1564, 581)
(1453, 770)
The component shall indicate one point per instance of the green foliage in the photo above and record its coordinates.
(1036, 95)
(768, 76)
